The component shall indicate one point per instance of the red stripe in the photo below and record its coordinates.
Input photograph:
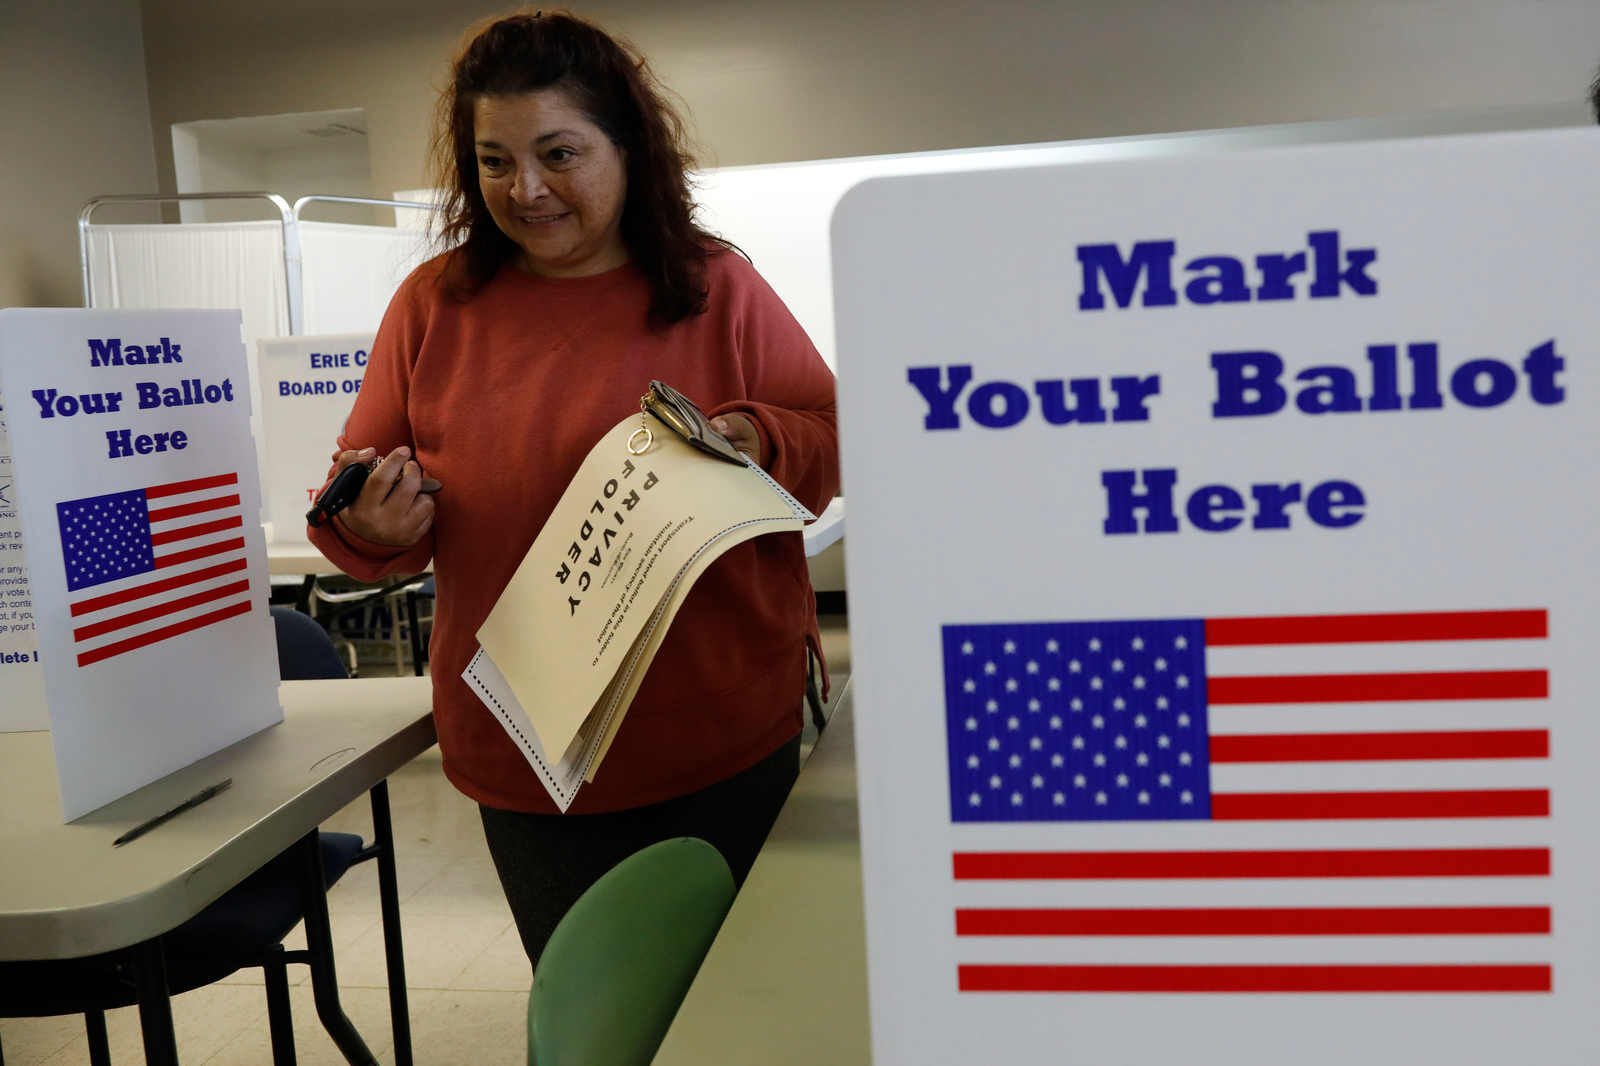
(1143, 865)
(178, 488)
(1459, 978)
(1291, 806)
(1361, 747)
(201, 552)
(110, 625)
(166, 514)
(1360, 628)
(1256, 921)
(155, 636)
(166, 584)
(1366, 688)
(199, 529)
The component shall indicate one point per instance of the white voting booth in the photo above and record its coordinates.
(291, 277)
(1249, 717)
(288, 275)
(131, 470)
(307, 386)
(779, 213)
(24, 706)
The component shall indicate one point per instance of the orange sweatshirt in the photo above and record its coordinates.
(501, 398)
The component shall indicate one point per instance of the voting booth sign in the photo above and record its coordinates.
(21, 677)
(1223, 608)
(134, 481)
(308, 385)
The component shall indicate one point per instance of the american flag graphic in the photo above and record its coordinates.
(1360, 800)
(153, 564)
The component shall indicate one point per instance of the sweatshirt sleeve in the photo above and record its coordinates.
(789, 392)
(379, 419)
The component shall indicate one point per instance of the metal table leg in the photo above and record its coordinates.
(94, 1026)
(302, 598)
(389, 898)
(416, 631)
(155, 1005)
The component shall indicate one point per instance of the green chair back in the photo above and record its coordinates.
(620, 961)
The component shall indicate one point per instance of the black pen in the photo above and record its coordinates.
(193, 801)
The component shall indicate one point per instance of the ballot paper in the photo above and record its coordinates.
(565, 648)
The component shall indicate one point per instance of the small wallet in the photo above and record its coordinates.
(679, 414)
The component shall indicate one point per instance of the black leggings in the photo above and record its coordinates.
(546, 861)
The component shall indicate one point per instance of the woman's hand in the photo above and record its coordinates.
(741, 433)
(391, 509)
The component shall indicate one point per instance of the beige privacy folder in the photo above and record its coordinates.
(565, 648)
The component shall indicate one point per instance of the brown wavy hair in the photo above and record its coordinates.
(614, 86)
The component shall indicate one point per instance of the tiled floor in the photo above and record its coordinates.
(467, 976)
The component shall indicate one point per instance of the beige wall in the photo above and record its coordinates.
(765, 80)
(772, 80)
(75, 124)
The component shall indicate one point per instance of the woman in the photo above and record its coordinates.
(578, 276)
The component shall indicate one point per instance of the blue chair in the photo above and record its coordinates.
(247, 925)
(620, 961)
(305, 651)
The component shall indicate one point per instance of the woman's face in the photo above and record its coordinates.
(554, 183)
